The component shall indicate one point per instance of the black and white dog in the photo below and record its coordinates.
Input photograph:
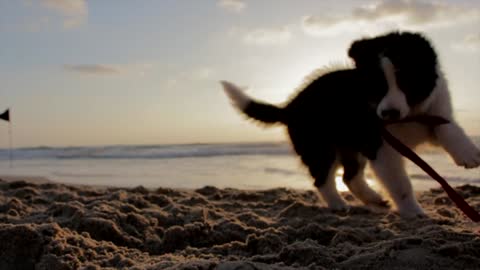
(335, 119)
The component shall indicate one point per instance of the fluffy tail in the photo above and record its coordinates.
(266, 113)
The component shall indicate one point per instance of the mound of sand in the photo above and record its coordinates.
(55, 226)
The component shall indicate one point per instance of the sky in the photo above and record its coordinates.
(77, 72)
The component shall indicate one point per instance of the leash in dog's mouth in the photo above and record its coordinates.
(431, 121)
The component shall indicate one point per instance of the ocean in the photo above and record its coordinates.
(243, 166)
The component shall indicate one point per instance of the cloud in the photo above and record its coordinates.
(75, 12)
(415, 12)
(95, 69)
(232, 5)
(141, 69)
(197, 74)
(326, 25)
(392, 13)
(473, 40)
(268, 36)
(471, 43)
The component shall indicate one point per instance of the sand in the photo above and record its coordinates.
(55, 226)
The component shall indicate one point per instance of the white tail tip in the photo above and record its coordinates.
(236, 95)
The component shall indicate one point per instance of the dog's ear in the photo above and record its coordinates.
(365, 50)
(356, 49)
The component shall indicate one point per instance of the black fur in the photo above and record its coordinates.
(331, 119)
(412, 55)
(263, 112)
(334, 119)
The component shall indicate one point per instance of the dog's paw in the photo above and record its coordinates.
(413, 210)
(340, 206)
(333, 200)
(375, 200)
(337, 205)
(467, 156)
(380, 204)
(411, 215)
(372, 198)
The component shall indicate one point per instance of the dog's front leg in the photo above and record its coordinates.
(451, 136)
(454, 140)
(390, 171)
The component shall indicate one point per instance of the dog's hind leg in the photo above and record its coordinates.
(390, 170)
(323, 167)
(321, 160)
(353, 177)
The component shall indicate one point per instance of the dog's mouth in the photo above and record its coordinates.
(390, 114)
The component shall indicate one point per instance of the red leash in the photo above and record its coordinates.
(408, 153)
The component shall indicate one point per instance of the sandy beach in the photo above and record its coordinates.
(55, 226)
(187, 135)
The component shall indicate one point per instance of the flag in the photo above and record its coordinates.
(6, 115)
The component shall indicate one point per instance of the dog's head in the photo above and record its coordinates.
(409, 65)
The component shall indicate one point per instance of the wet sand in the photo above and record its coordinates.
(54, 226)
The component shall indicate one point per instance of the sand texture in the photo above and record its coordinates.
(54, 226)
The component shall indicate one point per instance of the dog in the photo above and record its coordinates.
(336, 119)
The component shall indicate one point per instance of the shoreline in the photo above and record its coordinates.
(419, 185)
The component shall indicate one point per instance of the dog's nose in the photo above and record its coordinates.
(390, 114)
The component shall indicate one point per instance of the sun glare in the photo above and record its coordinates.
(341, 187)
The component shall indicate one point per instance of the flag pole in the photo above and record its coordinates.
(10, 154)
(6, 116)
